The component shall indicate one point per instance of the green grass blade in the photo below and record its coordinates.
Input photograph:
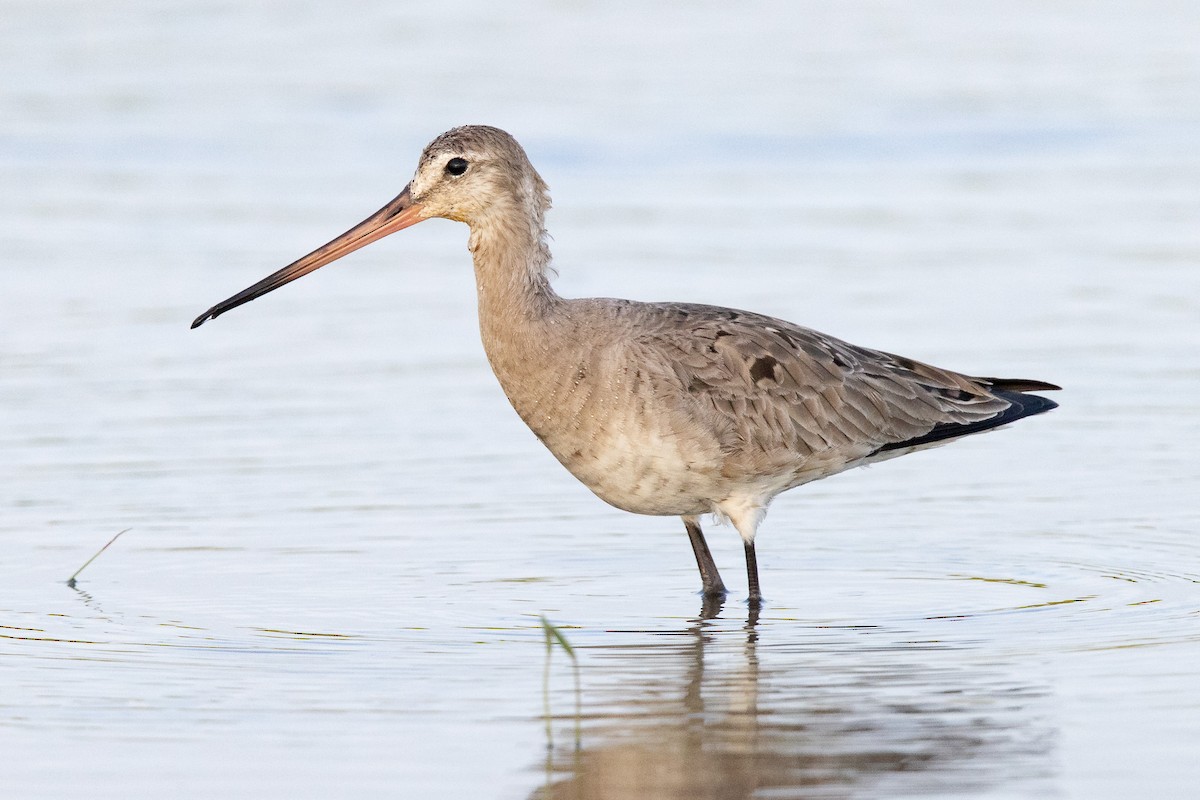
(553, 634)
(71, 580)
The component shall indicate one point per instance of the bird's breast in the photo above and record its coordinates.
(606, 423)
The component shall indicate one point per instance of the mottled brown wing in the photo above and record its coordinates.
(773, 385)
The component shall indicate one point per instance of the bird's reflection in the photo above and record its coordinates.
(832, 712)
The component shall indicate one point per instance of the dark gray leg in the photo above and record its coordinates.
(713, 586)
(752, 575)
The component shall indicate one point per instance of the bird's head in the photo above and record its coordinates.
(474, 174)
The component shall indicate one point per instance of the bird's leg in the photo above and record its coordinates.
(752, 574)
(713, 585)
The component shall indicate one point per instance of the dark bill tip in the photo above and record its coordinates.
(205, 317)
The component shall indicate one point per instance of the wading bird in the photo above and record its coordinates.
(666, 408)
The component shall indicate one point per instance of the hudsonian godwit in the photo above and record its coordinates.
(666, 408)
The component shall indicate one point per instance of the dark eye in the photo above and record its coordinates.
(456, 166)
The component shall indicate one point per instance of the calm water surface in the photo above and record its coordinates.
(341, 538)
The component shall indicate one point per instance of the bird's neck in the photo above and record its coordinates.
(517, 305)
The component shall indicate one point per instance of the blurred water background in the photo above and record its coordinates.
(342, 537)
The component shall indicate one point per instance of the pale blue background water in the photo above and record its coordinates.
(342, 537)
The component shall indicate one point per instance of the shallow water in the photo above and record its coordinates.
(341, 538)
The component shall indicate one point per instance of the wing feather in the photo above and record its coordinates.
(764, 385)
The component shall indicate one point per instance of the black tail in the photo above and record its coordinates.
(1020, 385)
(1013, 390)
